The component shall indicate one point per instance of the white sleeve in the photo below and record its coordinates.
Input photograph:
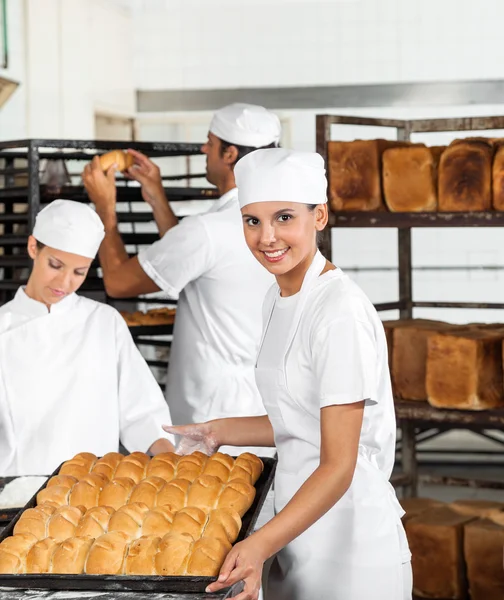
(7, 437)
(344, 357)
(142, 407)
(182, 255)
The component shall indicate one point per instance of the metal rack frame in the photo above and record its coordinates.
(415, 419)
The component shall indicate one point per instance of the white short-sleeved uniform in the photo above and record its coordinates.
(221, 288)
(322, 347)
(71, 380)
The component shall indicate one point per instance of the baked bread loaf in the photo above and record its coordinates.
(116, 493)
(410, 179)
(163, 465)
(205, 492)
(94, 522)
(483, 543)
(129, 519)
(122, 159)
(223, 524)
(140, 559)
(416, 506)
(173, 554)
(498, 179)
(133, 466)
(465, 176)
(237, 495)
(174, 494)
(219, 465)
(35, 520)
(39, 557)
(13, 552)
(477, 508)
(157, 521)
(62, 480)
(87, 491)
(74, 468)
(56, 494)
(70, 555)
(249, 460)
(63, 522)
(146, 491)
(106, 555)
(191, 466)
(207, 556)
(107, 465)
(156, 316)
(189, 520)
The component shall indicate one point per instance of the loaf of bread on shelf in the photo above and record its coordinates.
(483, 543)
(70, 555)
(122, 159)
(116, 493)
(477, 508)
(354, 173)
(415, 506)
(155, 316)
(436, 542)
(106, 555)
(498, 179)
(464, 369)
(465, 176)
(410, 179)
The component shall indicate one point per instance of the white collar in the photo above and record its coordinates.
(224, 200)
(28, 306)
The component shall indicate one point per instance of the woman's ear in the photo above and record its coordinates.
(32, 247)
(321, 216)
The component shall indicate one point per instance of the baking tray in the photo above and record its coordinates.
(137, 330)
(124, 583)
(7, 514)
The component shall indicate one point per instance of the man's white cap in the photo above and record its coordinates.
(71, 227)
(279, 175)
(246, 125)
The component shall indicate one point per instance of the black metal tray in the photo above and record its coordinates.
(124, 583)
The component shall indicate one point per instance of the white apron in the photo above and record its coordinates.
(352, 552)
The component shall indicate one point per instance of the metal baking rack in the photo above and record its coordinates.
(420, 421)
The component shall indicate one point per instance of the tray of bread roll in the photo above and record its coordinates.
(161, 524)
(153, 322)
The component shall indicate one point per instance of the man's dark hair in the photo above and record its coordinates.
(242, 150)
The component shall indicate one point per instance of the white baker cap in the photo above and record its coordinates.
(279, 175)
(246, 125)
(71, 227)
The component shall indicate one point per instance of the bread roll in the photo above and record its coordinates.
(129, 519)
(56, 494)
(39, 557)
(70, 555)
(13, 552)
(86, 458)
(191, 466)
(205, 492)
(63, 522)
(141, 556)
(223, 524)
(107, 465)
(157, 521)
(87, 491)
(106, 556)
(75, 468)
(132, 466)
(237, 495)
(190, 520)
(163, 465)
(94, 522)
(146, 491)
(174, 494)
(62, 480)
(116, 493)
(34, 521)
(219, 465)
(465, 177)
(10, 564)
(207, 556)
(139, 457)
(173, 554)
(122, 159)
(254, 461)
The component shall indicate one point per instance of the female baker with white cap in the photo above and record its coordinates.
(71, 377)
(323, 376)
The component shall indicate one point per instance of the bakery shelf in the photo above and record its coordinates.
(414, 418)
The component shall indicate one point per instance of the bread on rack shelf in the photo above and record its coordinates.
(465, 176)
(155, 316)
(410, 179)
(483, 543)
(416, 506)
(498, 179)
(477, 508)
(122, 159)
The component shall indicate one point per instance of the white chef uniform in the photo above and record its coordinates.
(71, 379)
(326, 346)
(205, 262)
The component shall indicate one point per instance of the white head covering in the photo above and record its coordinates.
(246, 125)
(279, 175)
(71, 227)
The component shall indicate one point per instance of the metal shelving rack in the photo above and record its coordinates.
(22, 195)
(420, 421)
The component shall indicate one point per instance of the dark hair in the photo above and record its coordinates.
(40, 245)
(242, 150)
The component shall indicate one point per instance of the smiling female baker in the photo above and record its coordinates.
(323, 375)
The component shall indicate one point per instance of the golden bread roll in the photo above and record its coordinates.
(243, 471)
(204, 492)
(190, 520)
(107, 464)
(63, 522)
(75, 468)
(34, 521)
(219, 465)
(139, 457)
(237, 495)
(63, 480)
(132, 468)
(122, 159)
(106, 556)
(146, 491)
(207, 556)
(70, 555)
(174, 494)
(39, 557)
(157, 521)
(129, 519)
(163, 465)
(173, 554)
(94, 522)
(10, 564)
(196, 458)
(141, 556)
(56, 494)
(86, 458)
(223, 524)
(116, 493)
(255, 462)
(87, 491)
(189, 472)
